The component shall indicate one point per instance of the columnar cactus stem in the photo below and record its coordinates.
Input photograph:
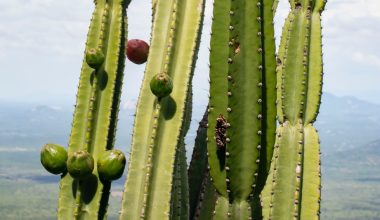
(218, 101)
(242, 111)
(237, 151)
(198, 173)
(152, 167)
(95, 116)
(293, 187)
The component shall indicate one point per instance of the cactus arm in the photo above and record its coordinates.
(198, 166)
(245, 102)
(295, 68)
(180, 192)
(297, 147)
(314, 91)
(266, 194)
(285, 194)
(252, 103)
(180, 69)
(280, 62)
(173, 45)
(201, 191)
(67, 200)
(311, 195)
(185, 209)
(293, 185)
(269, 80)
(96, 105)
(218, 90)
(207, 200)
(222, 207)
(140, 159)
(242, 101)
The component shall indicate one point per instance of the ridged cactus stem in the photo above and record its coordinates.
(300, 56)
(242, 112)
(95, 116)
(153, 189)
(218, 101)
(293, 190)
(197, 172)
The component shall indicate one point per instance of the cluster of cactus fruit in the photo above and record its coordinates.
(242, 167)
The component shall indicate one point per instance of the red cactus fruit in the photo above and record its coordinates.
(137, 51)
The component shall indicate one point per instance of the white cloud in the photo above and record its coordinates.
(129, 104)
(43, 26)
(51, 35)
(366, 59)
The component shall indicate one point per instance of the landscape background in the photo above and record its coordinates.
(41, 49)
(349, 131)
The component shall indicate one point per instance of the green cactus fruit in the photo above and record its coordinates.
(80, 164)
(111, 165)
(161, 85)
(53, 158)
(137, 51)
(94, 58)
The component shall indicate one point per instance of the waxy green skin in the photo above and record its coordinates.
(161, 85)
(53, 158)
(80, 164)
(96, 111)
(242, 91)
(94, 58)
(156, 186)
(293, 188)
(111, 165)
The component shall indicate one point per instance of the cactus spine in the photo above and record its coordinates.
(96, 111)
(293, 187)
(154, 189)
(242, 103)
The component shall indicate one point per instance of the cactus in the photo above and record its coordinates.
(241, 167)
(242, 114)
(293, 187)
(155, 186)
(202, 196)
(94, 123)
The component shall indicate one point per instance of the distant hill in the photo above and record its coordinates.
(347, 122)
(359, 161)
(343, 123)
(349, 130)
(31, 126)
(350, 180)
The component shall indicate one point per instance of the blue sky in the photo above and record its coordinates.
(42, 44)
